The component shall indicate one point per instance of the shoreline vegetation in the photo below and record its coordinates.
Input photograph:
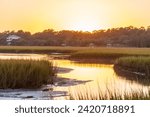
(102, 54)
(138, 65)
(79, 52)
(25, 73)
(105, 55)
(132, 59)
(108, 94)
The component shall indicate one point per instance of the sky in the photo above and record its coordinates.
(86, 15)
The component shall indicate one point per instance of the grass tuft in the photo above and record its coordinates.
(135, 64)
(109, 94)
(25, 73)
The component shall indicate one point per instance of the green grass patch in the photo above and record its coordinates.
(78, 52)
(110, 53)
(36, 49)
(135, 64)
(25, 73)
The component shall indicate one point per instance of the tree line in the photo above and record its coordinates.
(122, 37)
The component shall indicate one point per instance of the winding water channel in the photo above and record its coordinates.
(74, 77)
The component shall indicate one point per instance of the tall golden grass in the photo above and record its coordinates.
(108, 94)
(25, 73)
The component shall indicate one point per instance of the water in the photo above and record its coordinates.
(21, 56)
(90, 78)
(75, 78)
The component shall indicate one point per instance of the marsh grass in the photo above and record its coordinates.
(135, 64)
(109, 53)
(25, 73)
(108, 94)
(79, 52)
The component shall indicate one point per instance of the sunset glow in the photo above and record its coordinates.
(86, 15)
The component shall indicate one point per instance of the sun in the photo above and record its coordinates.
(85, 25)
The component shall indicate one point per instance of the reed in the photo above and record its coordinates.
(135, 64)
(79, 52)
(25, 73)
(110, 53)
(108, 94)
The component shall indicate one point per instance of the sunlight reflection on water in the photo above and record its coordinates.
(86, 78)
(21, 56)
(101, 76)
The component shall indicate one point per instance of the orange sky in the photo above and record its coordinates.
(87, 15)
